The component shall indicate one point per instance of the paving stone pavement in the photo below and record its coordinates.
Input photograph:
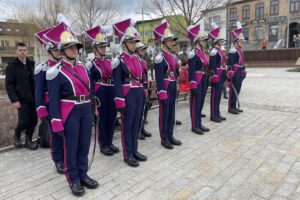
(254, 156)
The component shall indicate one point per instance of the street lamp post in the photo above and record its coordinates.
(288, 25)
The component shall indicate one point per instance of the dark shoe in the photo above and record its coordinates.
(114, 148)
(240, 110)
(175, 142)
(203, 128)
(60, 168)
(146, 133)
(17, 141)
(89, 183)
(225, 97)
(167, 144)
(77, 189)
(178, 122)
(29, 144)
(132, 162)
(141, 137)
(106, 151)
(140, 157)
(216, 120)
(197, 131)
(233, 111)
(203, 115)
(222, 118)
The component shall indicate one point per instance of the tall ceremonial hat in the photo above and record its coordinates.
(141, 46)
(236, 34)
(195, 34)
(215, 32)
(61, 35)
(162, 32)
(125, 31)
(97, 35)
(43, 40)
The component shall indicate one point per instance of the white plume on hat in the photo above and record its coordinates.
(61, 18)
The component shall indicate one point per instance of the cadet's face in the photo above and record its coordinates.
(131, 45)
(142, 52)
(170, 44)
(202, 43)
(240, 43)
(56, 54)
(101, 49)
(71, 51)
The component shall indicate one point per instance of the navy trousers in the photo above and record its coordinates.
(77, 139)
(197, 102)
(216, 93)
(131, 121)
(237, 83)
(167, 113)
(107, 115)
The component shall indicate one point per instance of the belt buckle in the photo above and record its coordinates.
(171, 73)
(81, 98)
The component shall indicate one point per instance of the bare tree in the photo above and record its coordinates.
(89, 13)
(183, 12)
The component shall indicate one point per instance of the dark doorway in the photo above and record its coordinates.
(294, 30)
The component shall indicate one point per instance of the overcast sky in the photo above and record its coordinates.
(128, 9)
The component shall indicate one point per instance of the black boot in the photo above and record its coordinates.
(141, 137)
(106, 151)
(59, 167)
(132, 162)
(140, 157)
(203, 115)
(77, 189)
(114, 148)
(167, 144)
(240, 110)
(17, 140)
(233, 111)
(203, 128)
(29, 144)
(145, 133)
(178, 122)
(197, 131)
(215, 119)
(175, 141)
(89, 183)
(222, 118)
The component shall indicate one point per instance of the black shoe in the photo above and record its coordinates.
(233, 111)
(141, 137)
(132, 162)
(167, 144)
(106, 151)
(222, 118)
(60, 168)
(114, 148)
(240, 110)
(140, 157)
(17, 141)
(203, 128)
(216, 120)
(77, 189)
(89, 183)
(175, 142)
(203, 115)
(178, 122)
(146, 133)
(29, 144)
(197, 131)
(225, 97)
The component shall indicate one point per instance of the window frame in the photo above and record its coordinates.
(274, 7)
(246, 9)
(261, 8)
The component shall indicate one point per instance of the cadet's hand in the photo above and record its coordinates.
(60, 133)
(193, 92)
(17, 104)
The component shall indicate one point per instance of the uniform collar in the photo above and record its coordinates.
(66, 63)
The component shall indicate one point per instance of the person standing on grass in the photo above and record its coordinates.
(20, 89)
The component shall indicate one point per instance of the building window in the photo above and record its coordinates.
(17, 30)
(0, 29)
(215, 19)
(4, 43)
(258, 33)
(295, 5)
(8, 30)
(246, 33)
(259, 11)
(246, 12)
(273, 33)
(274, 7)
(233, 13)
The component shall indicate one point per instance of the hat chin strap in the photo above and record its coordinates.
(165, 44)
(128, 50)
(200, 45)
(100, 54)
(69, 58)
(56, 59)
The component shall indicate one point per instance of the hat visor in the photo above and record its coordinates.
(101, 44)
(171, 38)
(64, 46)
(135, 39)
(141, 48)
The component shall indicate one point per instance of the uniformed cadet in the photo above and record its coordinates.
(101, 77)
(129, 91)
(166, 72)
(237, 68)
(70, 107)
(42, 98)
(217, 69)
(141, 51)
(198, 67)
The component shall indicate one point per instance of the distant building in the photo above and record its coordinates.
(266, 19)
(12, 32)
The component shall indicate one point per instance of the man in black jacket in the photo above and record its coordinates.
(20, 89)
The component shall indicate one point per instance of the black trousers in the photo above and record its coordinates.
(27, 119)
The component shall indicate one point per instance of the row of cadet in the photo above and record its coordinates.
(72, 96)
